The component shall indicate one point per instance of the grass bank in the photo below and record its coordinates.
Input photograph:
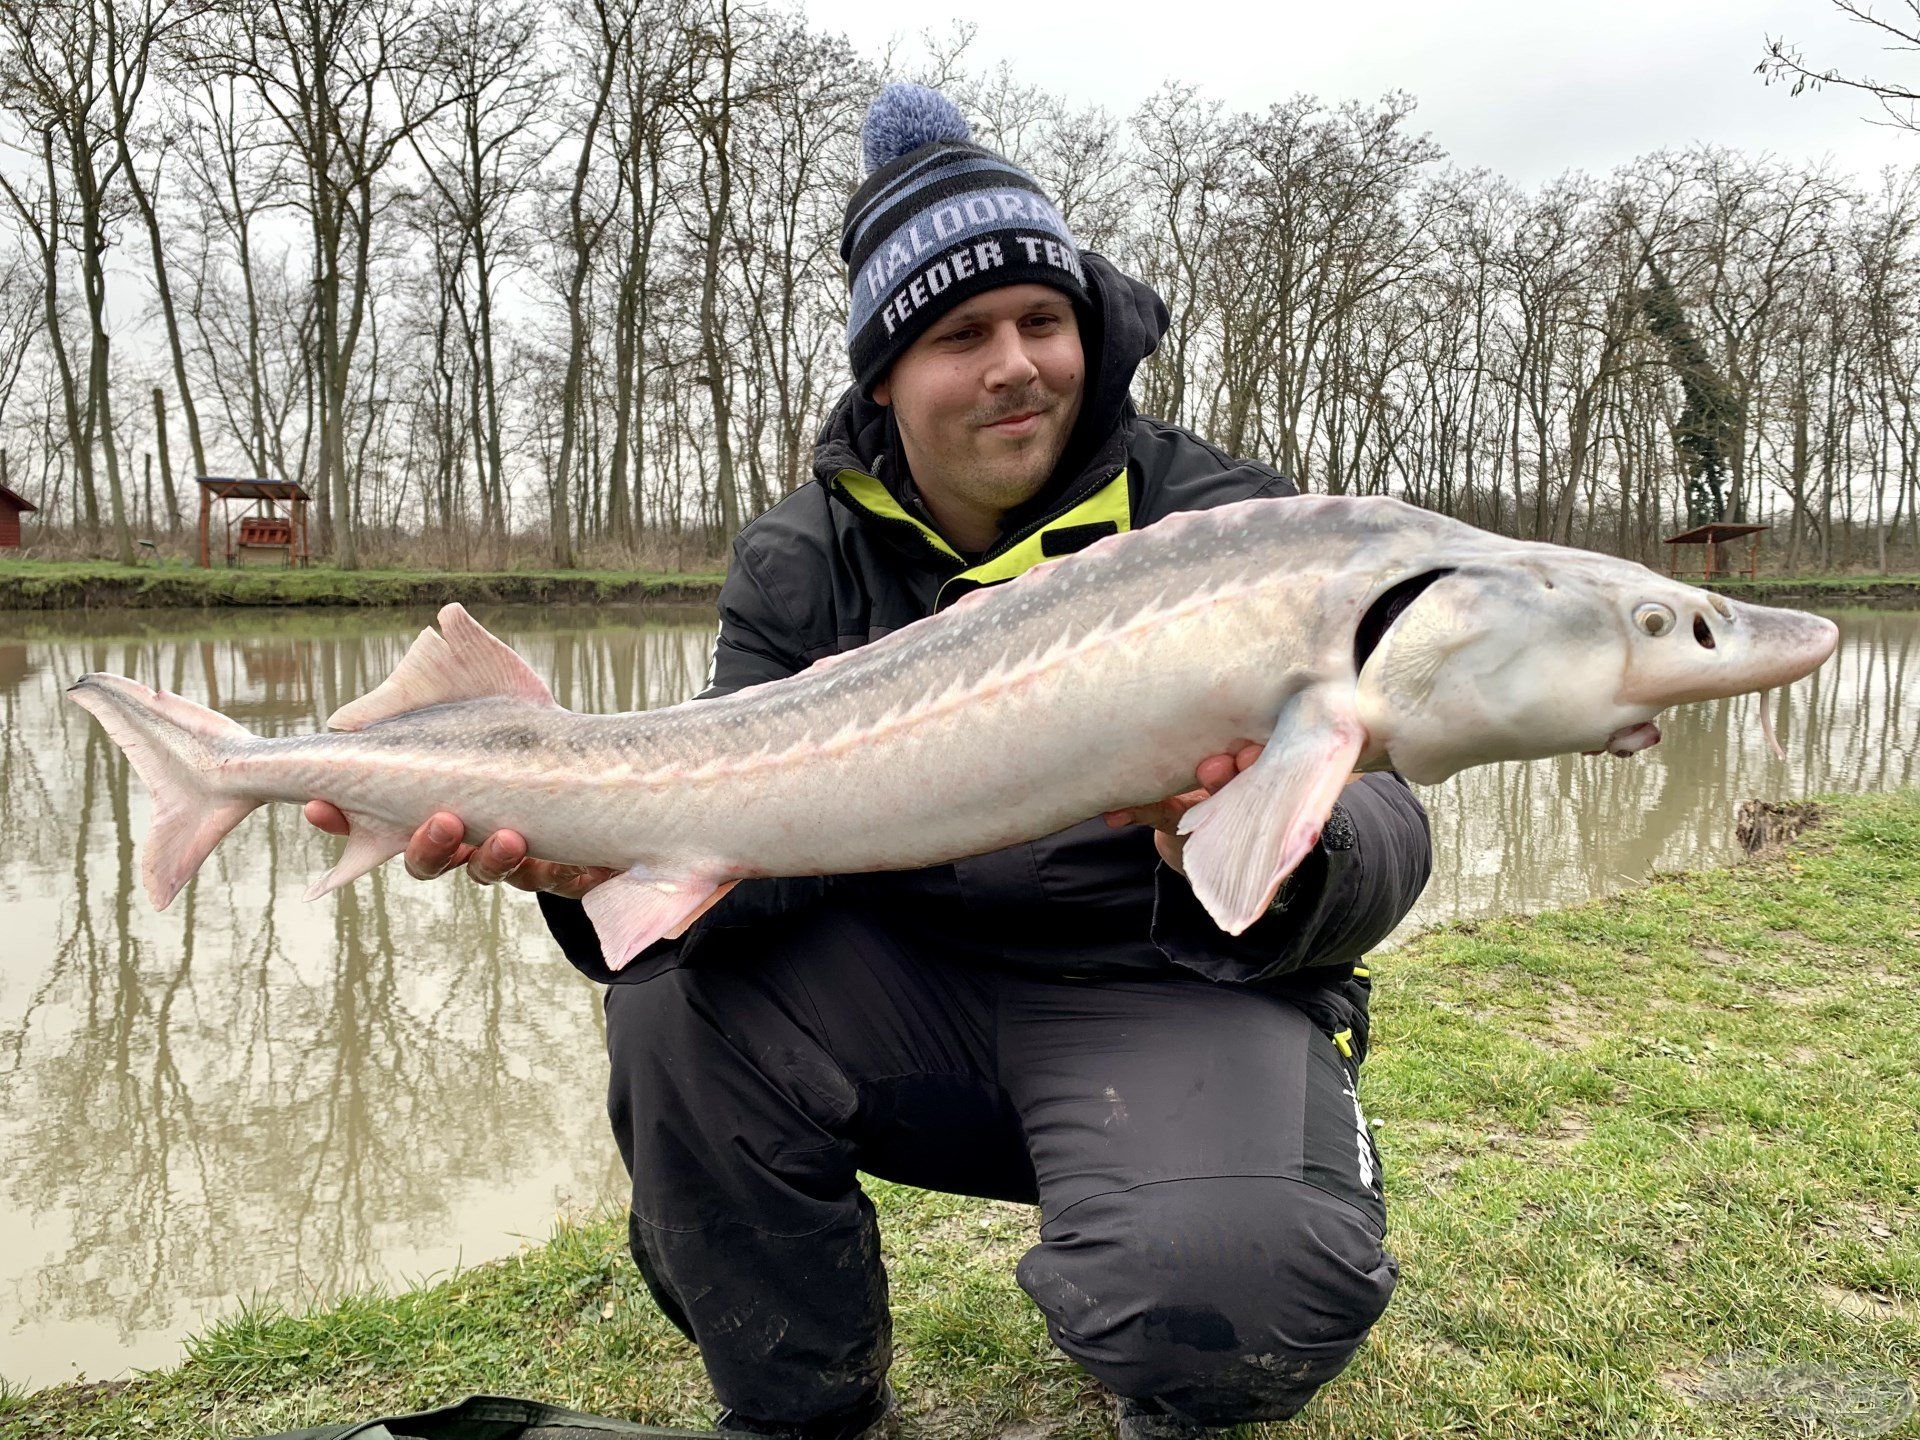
(99, 584)
(294, 623)
(1652, 1171)
(103, 584)
(1900, 592)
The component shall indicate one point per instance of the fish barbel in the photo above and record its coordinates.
(1345, 633)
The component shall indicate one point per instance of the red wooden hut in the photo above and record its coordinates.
(12, 506)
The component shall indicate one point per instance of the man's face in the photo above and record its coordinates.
(986, 399)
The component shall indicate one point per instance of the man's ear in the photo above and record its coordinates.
(882, 393)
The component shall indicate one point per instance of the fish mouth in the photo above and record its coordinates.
(1630, 739)
(1388, 607)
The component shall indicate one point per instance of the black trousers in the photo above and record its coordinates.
(1211, 1214)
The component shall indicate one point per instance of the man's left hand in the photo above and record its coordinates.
(1212, 773)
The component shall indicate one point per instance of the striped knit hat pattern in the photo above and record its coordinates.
(939, 219)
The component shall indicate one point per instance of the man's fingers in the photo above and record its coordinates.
(436, 847)
(1165, 815)
(1211, 775)
(439, 846)
(1215, 771)
(325, 817)
(497, 857)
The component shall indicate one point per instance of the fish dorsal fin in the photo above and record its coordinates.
(460, 661)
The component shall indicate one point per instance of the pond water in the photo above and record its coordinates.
(250, 1097)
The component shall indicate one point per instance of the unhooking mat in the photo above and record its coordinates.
(492, 1417)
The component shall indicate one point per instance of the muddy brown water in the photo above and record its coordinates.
(250, 1097)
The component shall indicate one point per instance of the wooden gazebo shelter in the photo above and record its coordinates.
(1711, 536)
(261, 525)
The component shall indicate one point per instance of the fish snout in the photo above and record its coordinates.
(1712, 648)
(1785, 645)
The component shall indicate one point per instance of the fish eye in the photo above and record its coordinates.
(1656, 620)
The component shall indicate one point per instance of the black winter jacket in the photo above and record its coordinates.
(852, 555)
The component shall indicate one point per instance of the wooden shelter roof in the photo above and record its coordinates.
(17, 500)
(237, 487)
(1715, 533)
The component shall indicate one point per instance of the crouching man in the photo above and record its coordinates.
(1059, 1022)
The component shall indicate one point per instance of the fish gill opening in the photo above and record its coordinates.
(1389, 607)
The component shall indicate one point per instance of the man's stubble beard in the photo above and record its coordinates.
(1008, 480)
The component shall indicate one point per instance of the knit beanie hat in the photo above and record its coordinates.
(939, 219)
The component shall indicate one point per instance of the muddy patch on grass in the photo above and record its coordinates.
(1867, 1304)
(1764, 825)
(964, 1422)
(987, 1224)
(1028, 1430)
(1575, 1027)
(1814, 1398)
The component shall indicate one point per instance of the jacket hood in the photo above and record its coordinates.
(1124, 326)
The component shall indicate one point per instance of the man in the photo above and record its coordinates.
(1059, 1022)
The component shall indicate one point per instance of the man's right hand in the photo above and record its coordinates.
(437, 847)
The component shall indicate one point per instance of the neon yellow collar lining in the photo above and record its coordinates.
(1109, 504)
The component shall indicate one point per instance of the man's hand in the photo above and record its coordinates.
(437, 847)
(1213, 773)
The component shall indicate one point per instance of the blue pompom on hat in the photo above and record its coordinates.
(938, 219)
(903, 117)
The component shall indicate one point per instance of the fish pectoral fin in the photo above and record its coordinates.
(631, 911)
(370, 844)
(1245, 840)
(459, 661)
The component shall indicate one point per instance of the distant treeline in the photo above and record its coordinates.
(566, 273)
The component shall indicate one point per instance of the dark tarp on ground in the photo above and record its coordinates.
(490, 1417)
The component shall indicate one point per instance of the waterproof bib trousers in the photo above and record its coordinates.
(1211, 1212)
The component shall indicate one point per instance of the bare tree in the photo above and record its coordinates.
(348, 82)
(57, 65)
(1785, 63)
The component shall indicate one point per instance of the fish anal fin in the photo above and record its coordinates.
(1245, 840)
(460, 661)
(634, 909)
(370, 844)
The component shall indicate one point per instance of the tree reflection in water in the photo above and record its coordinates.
(251, 1096)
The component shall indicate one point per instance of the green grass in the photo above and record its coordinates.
(1869, 589)
(1644, 1158)
(1838, 580)
(34, 584)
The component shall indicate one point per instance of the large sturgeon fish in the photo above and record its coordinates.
(1346, 633)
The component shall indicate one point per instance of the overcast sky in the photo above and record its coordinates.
(1529, 88)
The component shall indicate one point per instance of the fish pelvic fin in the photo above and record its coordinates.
(459, 661)
(370, 844)
(632, 910)
(171, 743)
(1245, 840)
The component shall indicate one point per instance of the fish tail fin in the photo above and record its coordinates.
(170, 742)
